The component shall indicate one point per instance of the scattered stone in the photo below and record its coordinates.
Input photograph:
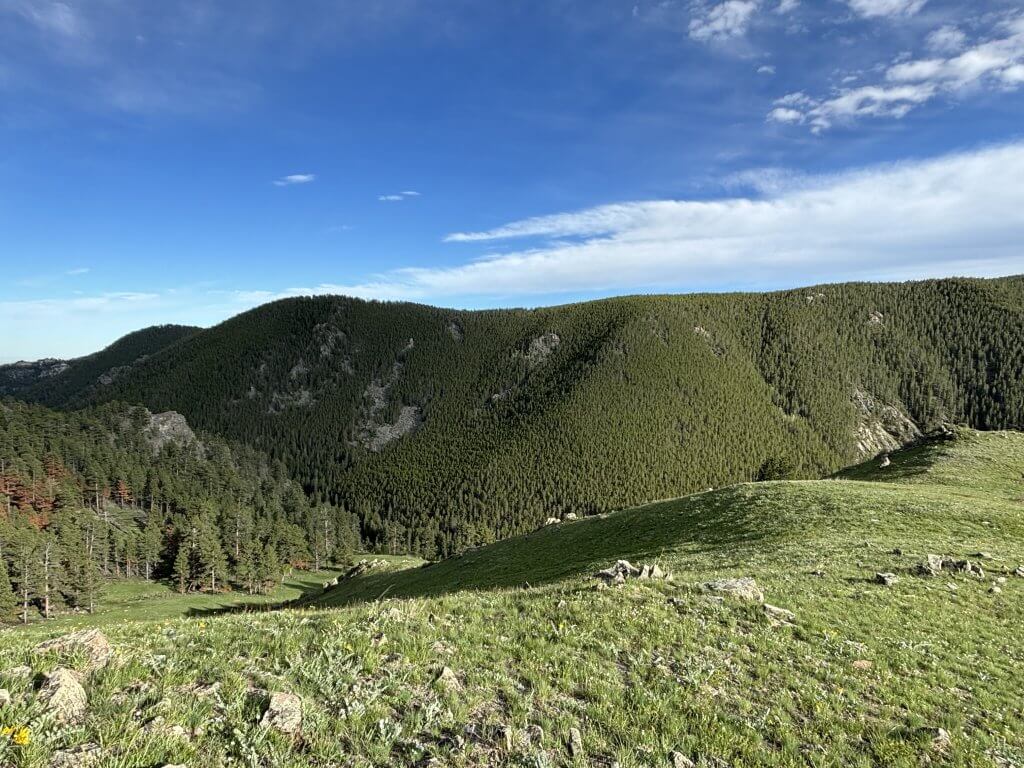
(624, 570)
(284, 713)
(778, 616)
(552, 521)
(994, 590)
(534, 734)
(885, 462)
(570, 516)
(575, 742)
(90, 642)
(22, 671)
(1001, 580)
(932, 566)
(64, 696)
(744, 588)
(679, 760)
(982, 556)
(886, 579)
(1019, 571)
(82, 756)
(951, 586)
(863, 664)
(5, 698)
(965, 566)
(941, 740)
(448, 680)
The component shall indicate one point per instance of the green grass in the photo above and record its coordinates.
(640, 670)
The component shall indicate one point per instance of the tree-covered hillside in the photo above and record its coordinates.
(57, 380)
(445, 429)
(116, 491)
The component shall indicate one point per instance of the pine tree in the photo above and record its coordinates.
(151, 543)
(183, 564)
(8, 602)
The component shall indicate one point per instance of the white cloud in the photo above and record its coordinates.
(295, 178)
(724, 21)
(52, 17)
(78, 271)
(766, 69)
(998, 63)
(946, 39)
(873, 8)
(958, 214)
(395, 198)
(787, 6)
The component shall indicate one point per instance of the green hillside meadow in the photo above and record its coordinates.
(514, 655)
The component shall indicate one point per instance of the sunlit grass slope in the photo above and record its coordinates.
(926, 672)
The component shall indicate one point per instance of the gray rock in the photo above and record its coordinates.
(552, 521)
(284, 713)
(64, 696)
(1019, 572)
(22, 671)
(5, 698)
(995, 590)
(744, 588)
(575, 742)
(92, 643)
(679, 760)
(448, 680)
(932, 566)
(570, 516)
(886, 579)
(965, 566)
(778, 615)
(82, 756)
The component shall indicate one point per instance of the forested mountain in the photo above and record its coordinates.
(117, 491)
(53, 380)
(444, 429)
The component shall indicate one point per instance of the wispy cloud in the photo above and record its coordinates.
(398, 196)
(295, 178)
(872, 8)
(78, 271)
(766, 69)
(724, 21)
(994, 63)
(51, 17)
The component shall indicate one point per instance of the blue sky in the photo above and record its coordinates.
(183, 161)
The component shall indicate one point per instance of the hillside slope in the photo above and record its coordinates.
(443, 430)
(56, 381)
(481, 670)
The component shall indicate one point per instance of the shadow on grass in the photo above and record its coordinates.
(718, 522)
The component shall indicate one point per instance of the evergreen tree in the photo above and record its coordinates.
(8, 602)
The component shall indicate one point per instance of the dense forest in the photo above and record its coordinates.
(443, 429)
(115, 491)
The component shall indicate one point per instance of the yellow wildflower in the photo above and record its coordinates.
(6, 731)
(22, 736)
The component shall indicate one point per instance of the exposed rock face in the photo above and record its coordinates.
(166, 429)
(374, 432)
(24, 373)
(64, 696)
(456, 331)
(717, 349)
(284, 713)
(540, 349)
(92, 643)
(881, 428)
(281, 401)
(744, 588)
(935, 564)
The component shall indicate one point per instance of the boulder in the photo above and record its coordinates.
(744, 588)
(995, 590)
(5, 698)
(932, 566)
(552, 521)
(624, 570)
(92, 643)
(64, 696)
(964, 566)
(1019, 572)
(679, 760)
(22, 671)
(284, 713)
(570, 516)
(886, 579)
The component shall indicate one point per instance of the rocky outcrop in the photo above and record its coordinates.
(168, 428)
(623, 571)
(540, 349)
(881, 428)
(374, 432)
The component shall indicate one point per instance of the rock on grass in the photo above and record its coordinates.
(90, 642)
(64, 696)
(284, 713)
(744, 588)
